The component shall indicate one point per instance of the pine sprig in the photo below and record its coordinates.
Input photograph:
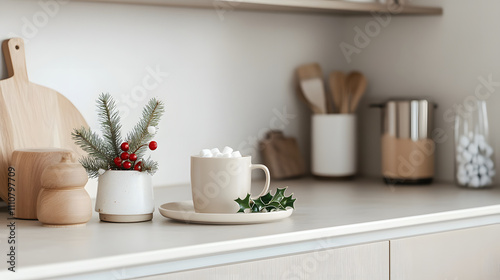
(91, 143)
(149, 166)
(92, 165)
(106, 152)
(110, 123)
(139, 135)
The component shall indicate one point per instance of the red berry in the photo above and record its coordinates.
(118, 161)
(125, 146)
(124, 156)
(138, 166)
(153, 145)
(133, 157)
(127, 165)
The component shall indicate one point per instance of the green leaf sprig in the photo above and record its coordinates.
(267, 202)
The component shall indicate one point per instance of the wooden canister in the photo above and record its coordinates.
(63, 201)
(29, 165)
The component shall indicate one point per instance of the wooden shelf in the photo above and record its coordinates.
(308, 6)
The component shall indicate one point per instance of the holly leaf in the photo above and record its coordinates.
(266, 198)
(288, 201)
(274, 206)
(244, 203)
(278, 196)
(267, 202)
(256, 208)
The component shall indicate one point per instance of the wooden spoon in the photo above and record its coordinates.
(356, 84)
(311, 85)
(337, 88)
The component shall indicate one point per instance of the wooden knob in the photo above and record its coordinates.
(65, 174)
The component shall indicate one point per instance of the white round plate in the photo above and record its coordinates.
(184, 211)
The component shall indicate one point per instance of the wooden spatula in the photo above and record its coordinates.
(311, 83)
(356, 84)
(337, 88)
(31, 116)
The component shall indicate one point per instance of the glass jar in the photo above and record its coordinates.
(474, 165)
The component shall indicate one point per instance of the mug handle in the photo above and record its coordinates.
(268, 177)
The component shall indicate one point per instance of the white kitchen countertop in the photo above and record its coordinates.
(328, 214)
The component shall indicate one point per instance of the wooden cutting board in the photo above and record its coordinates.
(31, 116)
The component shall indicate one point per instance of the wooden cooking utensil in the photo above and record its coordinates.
(356, 84)
(311, 83)
(303, 98)
(337, 88)
(31, 116)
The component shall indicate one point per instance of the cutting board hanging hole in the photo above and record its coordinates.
(17, 47)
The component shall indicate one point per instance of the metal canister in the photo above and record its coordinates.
(407, 147)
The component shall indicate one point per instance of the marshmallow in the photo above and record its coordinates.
(461, 170)
(484, 181)
(464, 141)
(492, 173)
(483, 170)
(466, 156)
(473, 172)
(469, 167)
(474, 182)
(218, 155)
(215, 151)
(488, 151)
(101, 171)
(473, 149)
(463, 180)
(224, 155)
(206, 153)
(227, 150)
(489, 163)
(236, 154)
(480, 160)
(474, 160)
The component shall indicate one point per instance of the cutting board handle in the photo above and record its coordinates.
(15, 59)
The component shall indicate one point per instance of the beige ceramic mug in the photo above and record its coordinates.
(217, 182)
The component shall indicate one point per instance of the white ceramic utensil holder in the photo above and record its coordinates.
(125, 196)
(333, 145)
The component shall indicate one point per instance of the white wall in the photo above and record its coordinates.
(439, 57)
(226, 78)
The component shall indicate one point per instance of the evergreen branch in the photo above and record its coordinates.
(149, 166)
(139, 135)
(92, 166)
(91, 143)
(110, 123)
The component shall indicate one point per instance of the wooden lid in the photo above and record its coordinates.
(66, 174)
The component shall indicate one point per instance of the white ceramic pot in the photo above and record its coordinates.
(333, 145)
(125, 196)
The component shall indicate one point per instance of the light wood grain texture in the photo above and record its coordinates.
(31, 116)
(282, 156)
(367, 261)
(463, 254)
(63, 200)
(337, 89)
(308, 6)
(310, 79)
(356, 86)
(29, 165)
